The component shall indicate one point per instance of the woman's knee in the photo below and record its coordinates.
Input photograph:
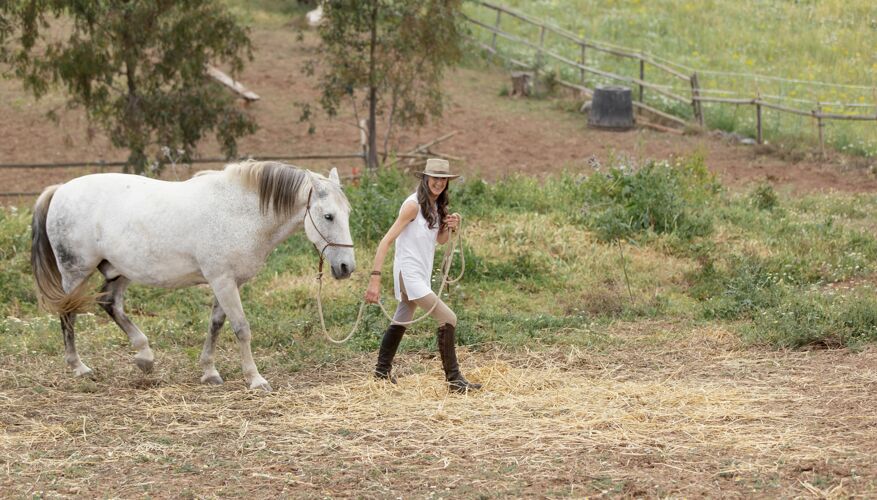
(450, 318)
(404, 313)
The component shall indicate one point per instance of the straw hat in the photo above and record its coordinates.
(436, 167)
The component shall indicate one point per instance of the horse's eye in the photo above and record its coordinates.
(329, 217)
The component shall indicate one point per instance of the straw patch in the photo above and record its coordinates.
(562, 422)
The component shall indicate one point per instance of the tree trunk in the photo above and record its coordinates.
(373, 93)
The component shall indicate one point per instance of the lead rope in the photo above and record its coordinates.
(445, 266)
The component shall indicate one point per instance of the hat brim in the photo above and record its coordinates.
(445, 176)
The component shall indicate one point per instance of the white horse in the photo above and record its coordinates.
(218, 228)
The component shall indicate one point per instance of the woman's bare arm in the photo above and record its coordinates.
(406, 215)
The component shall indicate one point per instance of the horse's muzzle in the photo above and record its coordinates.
(343, 270)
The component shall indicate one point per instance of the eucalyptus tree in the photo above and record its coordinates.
(136, 67)
(387, 56)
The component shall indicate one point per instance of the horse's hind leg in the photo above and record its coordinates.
(71, 279)
(68, 320)
(113, 302)
(217, 319)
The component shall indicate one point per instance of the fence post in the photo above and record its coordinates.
(496, 27)
(758, 135)
(582, 70)
(541, 44)
(695, 102)
(642, 76)
(820, 125)
(363, 142)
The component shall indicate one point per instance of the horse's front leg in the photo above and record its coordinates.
(229, 299)
(217, 319)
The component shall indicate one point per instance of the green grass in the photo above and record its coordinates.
(269, 13)
(827, 41)
(540, 269)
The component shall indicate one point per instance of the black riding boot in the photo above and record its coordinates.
(389, 344)
(447, 349)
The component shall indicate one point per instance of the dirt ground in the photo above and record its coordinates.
(497, 135)
(669, 412)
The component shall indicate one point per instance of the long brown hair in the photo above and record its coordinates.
(434, 217)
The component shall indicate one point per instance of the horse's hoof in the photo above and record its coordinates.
(145, 365)
(211, 380)
(260, 385)
(83, 371)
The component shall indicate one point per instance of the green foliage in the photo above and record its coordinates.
(397, 50)
(550, 79)
(746, 287)
(804, 247)
(537, 270)
(518, 193)
(659, 197)
(800, 247)
(138, 69)
(375, 203)
(764, 197)
(816, 319)
(17, 295)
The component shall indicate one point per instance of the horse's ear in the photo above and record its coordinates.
(333, 176)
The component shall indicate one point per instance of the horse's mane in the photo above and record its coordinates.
(278, 184)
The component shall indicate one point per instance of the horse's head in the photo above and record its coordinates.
(327, 224)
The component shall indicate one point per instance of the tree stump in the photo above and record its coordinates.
(522, 82)
(611, 108)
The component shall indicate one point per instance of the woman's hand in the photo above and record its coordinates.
(452, 222)
(373, 292)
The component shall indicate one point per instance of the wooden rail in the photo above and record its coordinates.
(694, 99)
(116, 164)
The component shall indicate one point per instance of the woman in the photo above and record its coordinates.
(423, 221)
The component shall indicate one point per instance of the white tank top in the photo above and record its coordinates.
(415, 251)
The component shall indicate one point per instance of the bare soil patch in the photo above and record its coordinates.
(498, 135)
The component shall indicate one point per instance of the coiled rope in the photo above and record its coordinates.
(447, 259)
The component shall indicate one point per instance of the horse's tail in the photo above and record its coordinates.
(50, 292)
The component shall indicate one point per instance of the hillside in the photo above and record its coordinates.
(497, 136)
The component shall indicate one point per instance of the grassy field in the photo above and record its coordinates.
(827, 41)
(578, 292)
(551, 255)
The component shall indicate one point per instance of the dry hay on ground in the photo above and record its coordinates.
(647, 420)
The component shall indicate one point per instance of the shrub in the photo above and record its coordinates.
(17, 292)
(659, 197)
(764, 197)
(746, 287)
(814, 319)
(375, 203)
(520, 194)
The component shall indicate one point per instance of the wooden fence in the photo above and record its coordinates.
(102, 165)
(693, 97)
